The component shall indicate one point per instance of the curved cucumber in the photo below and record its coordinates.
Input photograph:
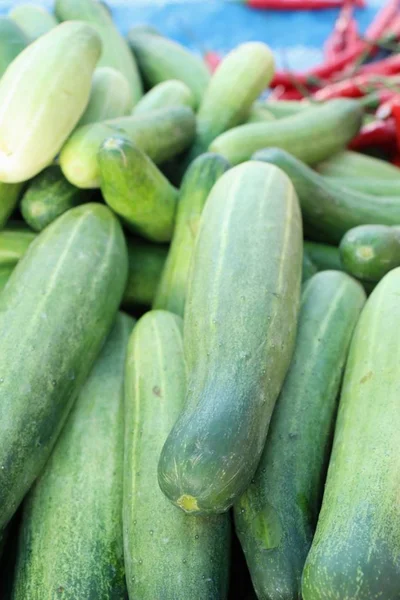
(369, 185)
(9, 196)
(276, 517)
(79, 494)
(355, 550)
(146, 263)
(13, 245)
(355, 164)
(196, 186)
(259, 113)
(33, 20)
(287, 108)
(136, 190)
(324, 256)
(55, 312)
(311, 136)
(309, 269)
(240, 326)
(110, 97)
(167, 93)
(160, 540)
(12, 41)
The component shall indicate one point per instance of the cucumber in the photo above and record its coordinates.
(9, 196)
(167, 93)
(330, 209)
(323, 256)
(5, 274)
(275, 518)
(48, 196)
(110, 97)
(12, 41)
(287, 108)
(355, 164)
(66, 288)
(240, 327)
(43, 93)
(309, 269)
(311, 136)
(196, 186)
(33, 20)
(144, 28)
(168, 555)
(370, 251)
(161, 59)
(79, 494)
(136, 190)
(146, 263)
(355, 550)
(115, 50)
(259, 113)
(161, 134)
(13, 245)
(369, 185)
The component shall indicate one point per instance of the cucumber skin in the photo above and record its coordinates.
(12, 42)
(311, 136)
(33, 20)
(5, 274)
(49, 289)
(369, 185)
(198, 181)
(146, 263)
(159, 539)
(354, 164)
(167, 93)
(356, 546)
(324, 256)
(9, 196)
(276, 517)
(259, 113)
(235, 373)
(13, 245)
(79, 494)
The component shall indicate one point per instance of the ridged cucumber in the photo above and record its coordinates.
(9, 196)
(55, 312)
(276, 517)
(311, 136)
(12, 42)
(146, 263)
(324, 256)
(33, 20)
(355, 164)
(196, 186)
(369, 185)
(79, 494)
(168, 555)
(167, 93)
(13, 245)
(240, 327)
(356, 547)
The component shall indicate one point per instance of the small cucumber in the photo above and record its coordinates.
(324, 256)
(48, 196)
(287, 108)
(12, 41)
(136, 190)
(79, 494)
(276, 517)
(161, 134)
(240, 327)
(355, 164)
(309, 269)
(259, 113)
(165, 94)
(9, 196)
(158, 538)
(146, 263)
(369, 185)
(33, 20)
(311, 136)
(13, 245)
(196, 186)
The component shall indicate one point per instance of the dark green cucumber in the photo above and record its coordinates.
(356, 547)
(330, 209)
(276, 517)
(9, 196)
(168, 555)
(136, 190)
(12, 41)
(355, 164)
(146, 263)
(309, 269)
(240, 327)
(311, 136)
(33, 20)
(369, 185)
(324, 256)
(13, 245)
(167, 93)
(48, 196)
(79, 494)
(196, 186)
(55, 312)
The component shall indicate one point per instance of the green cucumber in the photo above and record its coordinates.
(369, 185)
(48, 196)
(9, 196)
(196, 186)
(355, 164)
(13, 245)
(144, 28)
(162, 134)
(356, 547)
(79, 494)
(161, 59)
(12, 41)
(43, 94)
(55, 312)
(5, 274)
(136, 190)
(33, 20)
(309, 269)
(287, 108)
(276, 517)
(115, 50)
(259, 113)
(330, 209)
(311, 136)
(323, 256)
(240, 327)
(168, 555)
(110, 97)
(167, 93)
(146, 263)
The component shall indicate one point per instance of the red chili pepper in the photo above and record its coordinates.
(377, 133)
(354, 87)
(285, 93)
(337, 41)
(386, 66)
(383, 20)
(212, 60)
(396, 160)
(299, 4)
(395, 111)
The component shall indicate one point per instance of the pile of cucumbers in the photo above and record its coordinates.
(197, 399)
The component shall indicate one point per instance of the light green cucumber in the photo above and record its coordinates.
(287, 108)
(259, 113)
(146, 263)
(55, 312)
(168, 555)
(79, 494)
(240, 328)
(167, 93)
(9, 196)
(355, 164)
(5, 274)
(356, 546)
(33, 20)
(13, 245)
(162, 134)
(324, 256)
(136, 190)
(276, 517)
(196, 186)
(12, 41)
(369, 185)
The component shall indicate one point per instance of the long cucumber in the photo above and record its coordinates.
(33, 20)
(12, 41)
(354, 164)
(146, 263)
(168, 93)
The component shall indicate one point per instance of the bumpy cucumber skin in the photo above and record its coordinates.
(49, 196)
(12, 42)
(324, 256)
(136, 190)
(357, 543)
(276, 517)
(33, 20)
(9, 196)
(168, 555)
(355, 164)
(13, 245)
(311, 136)
(369, 185)
(167, 93)
(146, 263)
(240, 327)
(115, 51)
(199, 179)
(55, 312)
(309, 269)
(79, 494)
